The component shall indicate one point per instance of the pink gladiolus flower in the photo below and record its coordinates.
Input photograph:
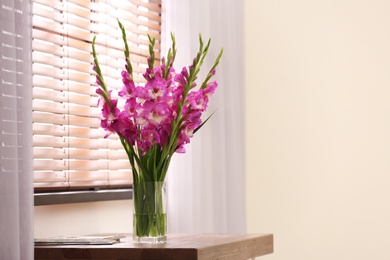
(142, 121)
(126, 128)
(210, 88)
(156, 88)
(161, 115)
(164, 131)
(128, 88)
(185, 135)
(109, 117)
(149, 74)
(181, 149)
(177, 94)
(148, 138)
(141, 94)
(193, 117)
(131, 107)
(182, 77)
(197, 100)
(101, 100)
(154, 113)
(149, 110)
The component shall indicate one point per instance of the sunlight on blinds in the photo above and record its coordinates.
(69, 149)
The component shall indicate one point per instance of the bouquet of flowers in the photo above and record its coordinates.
(158, 119)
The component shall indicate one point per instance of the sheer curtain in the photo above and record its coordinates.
(16, 191)
(206, 185)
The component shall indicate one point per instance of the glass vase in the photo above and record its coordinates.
(149, 212)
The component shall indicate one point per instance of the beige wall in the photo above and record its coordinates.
(84, 218)
(318, 127)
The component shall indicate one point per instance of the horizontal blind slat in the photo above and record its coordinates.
(54, 165)
(62, 74)
(65, 108)
(63, 85)
(117, 159)
(63, 130)
(61, 119)
(60, 96)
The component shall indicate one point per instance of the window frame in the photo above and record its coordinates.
(65, 197)
(89, 194)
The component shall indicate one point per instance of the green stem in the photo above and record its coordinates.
(150, 214)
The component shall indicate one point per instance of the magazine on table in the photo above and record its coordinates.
(99, 239)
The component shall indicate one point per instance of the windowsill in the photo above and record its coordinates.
(51, 198)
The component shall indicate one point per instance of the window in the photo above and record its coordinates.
(70, 151)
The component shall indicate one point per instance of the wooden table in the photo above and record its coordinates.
(183, 247)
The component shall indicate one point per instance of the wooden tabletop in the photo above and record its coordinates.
(183, 247)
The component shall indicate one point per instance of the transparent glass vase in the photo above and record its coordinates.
(149, 212)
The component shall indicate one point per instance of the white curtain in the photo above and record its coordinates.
(16, 191)
(206, 185)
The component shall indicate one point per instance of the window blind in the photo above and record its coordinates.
(70, 151)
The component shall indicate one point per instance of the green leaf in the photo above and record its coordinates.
(204, 122)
